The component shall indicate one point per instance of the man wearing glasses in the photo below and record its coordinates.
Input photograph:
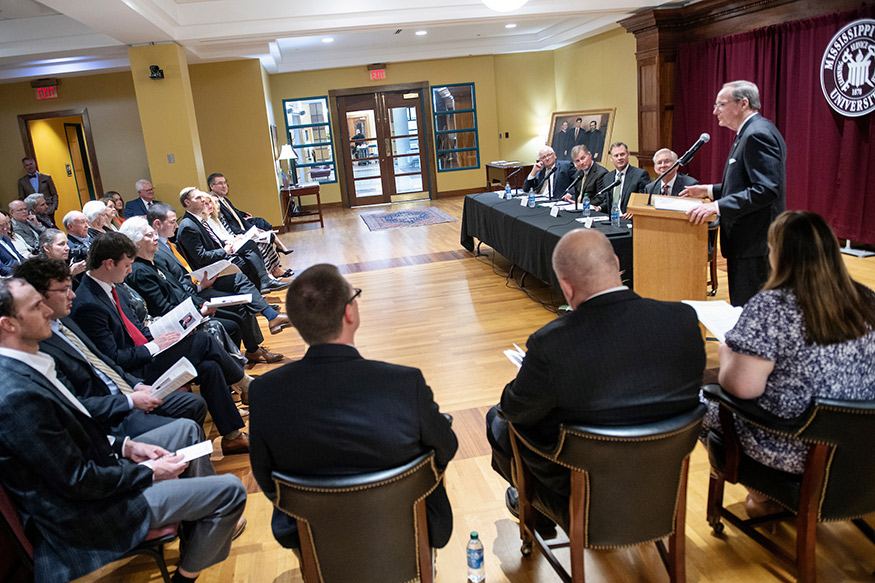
(334, 412)
(752, 193)
(549, 176)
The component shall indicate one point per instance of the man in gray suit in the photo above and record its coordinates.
(25, 224)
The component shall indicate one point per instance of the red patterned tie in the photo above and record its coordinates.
(132, 329)
(666, 190)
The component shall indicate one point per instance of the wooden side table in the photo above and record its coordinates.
(498, 175)
(288, 195)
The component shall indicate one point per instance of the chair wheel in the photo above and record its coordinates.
(526, 549)
(717, 528)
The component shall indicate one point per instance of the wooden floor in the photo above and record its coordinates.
(428, 303)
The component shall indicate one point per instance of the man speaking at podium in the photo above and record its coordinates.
(752, 193)
(548, 176)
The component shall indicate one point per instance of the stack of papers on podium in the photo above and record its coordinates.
(675, 203)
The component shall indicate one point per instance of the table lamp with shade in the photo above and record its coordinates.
(287, 152)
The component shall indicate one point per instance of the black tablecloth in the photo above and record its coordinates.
(526, 236)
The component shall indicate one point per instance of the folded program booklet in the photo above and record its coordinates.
(173, 378)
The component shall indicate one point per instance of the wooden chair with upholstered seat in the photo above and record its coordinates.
(628, 487)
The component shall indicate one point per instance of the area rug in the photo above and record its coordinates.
(407, 218)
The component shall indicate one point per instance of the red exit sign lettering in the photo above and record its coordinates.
(378, 74)
(47, 92)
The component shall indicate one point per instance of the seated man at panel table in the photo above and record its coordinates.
(589, 178)
(335, 413)
(632, 179)
(549, 176)
(118, 399)
(634, 374)
(111, 324)
(85, 498)
(672, 183)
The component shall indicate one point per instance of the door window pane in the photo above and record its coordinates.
(405, 164)
(308, 127)
(407, 184)
(368, 187)
(455, 124)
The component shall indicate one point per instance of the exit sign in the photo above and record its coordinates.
(378, 74)
(50, 92)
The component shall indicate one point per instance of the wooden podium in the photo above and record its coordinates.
(669, 254)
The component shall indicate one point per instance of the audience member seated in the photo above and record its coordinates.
(145, 198)
(25, 224)
(53, 245)
(108, 320)
(86, 499)
(809, 333)
(335, 413)
(112, 221)
(114, 397)
(635, 375)
(549, 176)
(218, 185)
(95, 216)
(162, 218)
(162, 292)
(632, 179)
(37, 205)
(76, 226)
(119, 204)
(672, 183)
(589, 178)
(10, 257)
(202, 246)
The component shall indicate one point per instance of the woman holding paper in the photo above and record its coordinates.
(809, 333)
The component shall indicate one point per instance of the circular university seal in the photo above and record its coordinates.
(847, 75)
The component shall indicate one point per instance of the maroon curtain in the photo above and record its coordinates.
(829, 160)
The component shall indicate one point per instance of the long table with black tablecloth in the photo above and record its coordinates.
(527, 236)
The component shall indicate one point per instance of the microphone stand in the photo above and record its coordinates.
(511, 175)
(661, 176)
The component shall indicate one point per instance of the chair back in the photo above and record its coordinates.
(633, 476)
(363, 527)
(849, 484)
(16, 551)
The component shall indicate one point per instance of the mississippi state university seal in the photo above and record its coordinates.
(847, 75)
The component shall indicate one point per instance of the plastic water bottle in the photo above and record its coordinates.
(584, 204)
(532, 199)
(507, 190)
(476, 569)
(615, 214)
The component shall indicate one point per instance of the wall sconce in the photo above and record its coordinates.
(155, 72)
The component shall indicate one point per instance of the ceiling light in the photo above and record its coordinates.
(510, 26)
(328, 39)
(504, 5)
(421, 32)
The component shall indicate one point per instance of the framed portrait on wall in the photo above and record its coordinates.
(591, 127)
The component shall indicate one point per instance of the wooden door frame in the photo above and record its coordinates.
(427, 150)
(86, 128)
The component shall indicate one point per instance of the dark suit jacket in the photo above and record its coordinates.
(564, 171)
(78, 247)
(753, 190)
(99, 319)
(46, 188)
(335, 413)
(248, 222)
(593, 183)
(162, 294)
(562, 144)
(135, 208)
(636, 180)
(681, 182)
(646, 361)
(83, 505)
(195, 243)
(9, 261)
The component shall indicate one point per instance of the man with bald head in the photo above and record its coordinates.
(549, 176)
(616, 359)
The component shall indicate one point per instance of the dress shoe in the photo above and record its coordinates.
(238, 530)
(274, 285)
(235, 446)
(448, 417)
(286, 251)
(263, 355)
(279, 323)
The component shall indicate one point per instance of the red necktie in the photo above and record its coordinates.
(666, 190)
(132, 329)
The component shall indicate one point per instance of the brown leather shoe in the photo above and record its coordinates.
(235, 446)
(238, 530)
(263, 355)
(279, 323)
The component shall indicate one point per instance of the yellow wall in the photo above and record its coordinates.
(50, 145)
(229, 99)
(479, 70)
(525, 102)
(115, 124)
(601, 73)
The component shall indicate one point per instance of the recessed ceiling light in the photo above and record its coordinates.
(328, 39)
(421, 32)
(510, 25)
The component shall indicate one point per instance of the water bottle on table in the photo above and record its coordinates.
(615, 214)
(476, 569)
(507, 190)
(531, 199)
(584, 205)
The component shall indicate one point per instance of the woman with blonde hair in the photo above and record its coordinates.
(809, 333)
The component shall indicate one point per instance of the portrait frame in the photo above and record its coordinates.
(604, 119)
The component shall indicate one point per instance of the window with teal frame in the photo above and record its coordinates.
(455, 127)
(308, 128)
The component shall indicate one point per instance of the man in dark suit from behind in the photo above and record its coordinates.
(640, 377)
(589, 177)
(35, 181)
(632, 179)
(672, 183)
(334, 412)
(549, 176)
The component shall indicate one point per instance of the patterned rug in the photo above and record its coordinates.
(407, 218)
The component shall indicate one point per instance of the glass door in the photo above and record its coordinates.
(405, 135)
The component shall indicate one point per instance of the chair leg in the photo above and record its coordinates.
(677, 542)
(806, 520)
(715, 501)
(522, 482)
(426, 562)
(576, 504)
